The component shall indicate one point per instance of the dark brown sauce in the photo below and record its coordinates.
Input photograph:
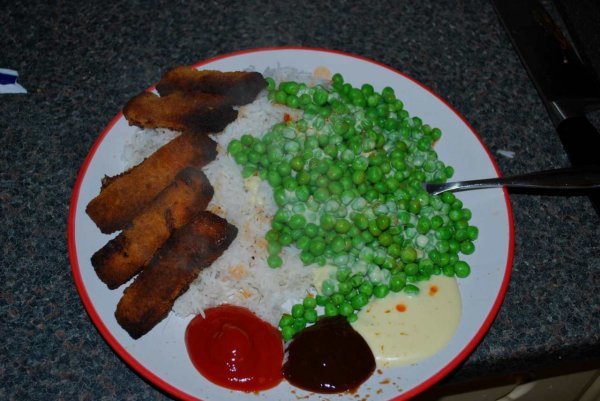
(329, 357)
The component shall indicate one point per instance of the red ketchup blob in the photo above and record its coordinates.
(234, 348)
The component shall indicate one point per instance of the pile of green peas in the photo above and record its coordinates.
(348, 179)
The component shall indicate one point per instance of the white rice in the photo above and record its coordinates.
(241, 275)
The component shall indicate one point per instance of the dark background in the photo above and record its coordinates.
(82, 60)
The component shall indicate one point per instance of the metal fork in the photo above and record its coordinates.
(559, 179)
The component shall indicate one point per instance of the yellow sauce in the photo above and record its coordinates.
(403, 329)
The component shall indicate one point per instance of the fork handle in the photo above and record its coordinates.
(563, 178)
(585, 177)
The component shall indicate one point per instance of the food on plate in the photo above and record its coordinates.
(402, 329)
(239, 87)
(234, 348)
(336, 172)
(125, 255)
(190, 249)
(194, 101)
(323, 174)
(347, 178)
(328, 357)
(192, 112)
(154, 201)
(123, 196)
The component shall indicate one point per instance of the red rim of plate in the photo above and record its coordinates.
(147, 374)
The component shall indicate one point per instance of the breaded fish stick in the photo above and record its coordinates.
(190, 249)
(125, 256)
(239, 87)
(123, 196)
(198, 113)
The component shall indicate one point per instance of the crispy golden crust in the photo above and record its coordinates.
(125, 255)
(187, 112)
(238, 87)
(124, 196)
(190, 249)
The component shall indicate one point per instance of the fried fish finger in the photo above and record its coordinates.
(199, 113)
(190, 249)
(240, 87)
(122, 197)
(125, 255)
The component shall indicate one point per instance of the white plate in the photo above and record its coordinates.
(160, 356)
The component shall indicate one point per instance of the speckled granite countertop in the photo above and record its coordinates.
(81, 61)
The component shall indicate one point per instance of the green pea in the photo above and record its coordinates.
(452, 246)
(335, 188)
(467, 247)
(385, 239)
(274, 178)
(272, 235)
(287, 333)
(297, 221)
(337, 78)
(279, 196)
(320, 97)
(436, 222)
(310, 316)
(299, 324)
(360, 164)
(383, 222)
(302, 193)
(397, 283)
(289, 183)
(297, 163)
(284, 169)
(297, 310)
(338, 244)
(381, 291)
(337, 298)
(448, 270)
(411, 289)
(286, 320)
(235, 147)
(321, 195)
(366, 288)
(273, 248)
(285, 239)
(311, 230)
(374, 230)
(270, 83)
(344, 287)
(303, 177)
(317, 247)
(408, 255)
(274, 261)
(411, 269)
(307, 257)
(345, 309)
(472, 233)
(359, 301)
(342, 226)
(321, 300)
(335, 172)
(303, 242)
(330, 309)
(462, 269)
(395, 250)
(327, 221)
(322, 181)
(357, 279)
(374, 174)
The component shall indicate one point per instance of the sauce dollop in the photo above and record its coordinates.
(234, 348)
(329, 357)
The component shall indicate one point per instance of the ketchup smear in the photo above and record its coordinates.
(234, 348)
